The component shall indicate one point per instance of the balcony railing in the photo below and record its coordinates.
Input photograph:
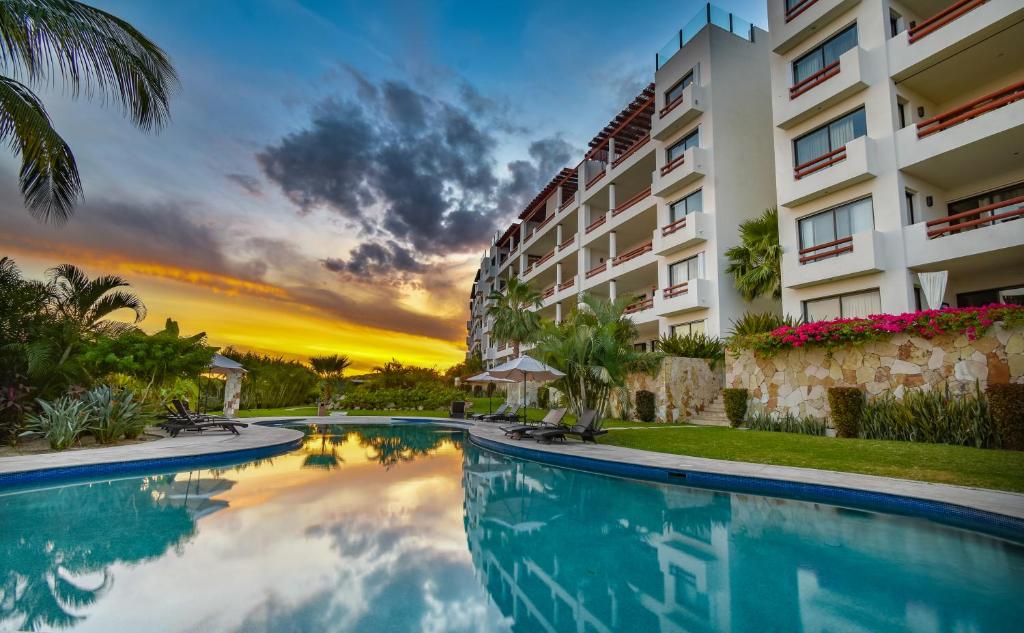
(596, 223)
(632, 150)
(568, 201)
(670, 106)
(597, 177)
(550, 290)
(998, 212)
(597, 270)
(811, 81)
(797, 9)
(968, 111)
(672, 165)
(543, 222)
(632, 201)
(566, 284)
(676, 290)
(672, 227)
(819, 163)
(941, 19)
(632, 254)
(544, 258)
(567, 243)
(828, 249)
(639, 306)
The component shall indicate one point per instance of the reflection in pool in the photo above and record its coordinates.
(410, 528)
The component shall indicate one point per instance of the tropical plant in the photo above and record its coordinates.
(786, 423)
(694, 345)
(93, 52)
(15, 403)
(761, 322)
(1006, 402)
(645, 405)
(21, 319)
(756, 262)
(735, 403)
(516, 320)
(394, 375)
(474, 364)
(936, 416)
(847, 407)
(331, 370)
(114, 414)
(428, 395)
(61, 422)
(593, 346)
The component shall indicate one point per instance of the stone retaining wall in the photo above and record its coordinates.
(682, 387)
(797, 381)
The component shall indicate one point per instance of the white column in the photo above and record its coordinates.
(232, 394)
(558, 235)
(558, 312)
(561, 200)
(558, 275)
(611, 290)
(612, 252)
(611, 150)
(522, 262)
(611, 196)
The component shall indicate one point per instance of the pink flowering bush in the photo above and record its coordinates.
(972, 322)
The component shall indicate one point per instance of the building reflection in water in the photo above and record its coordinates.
(560, 550)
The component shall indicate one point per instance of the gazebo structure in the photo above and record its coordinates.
(232, 372)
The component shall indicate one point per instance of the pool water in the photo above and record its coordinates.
(412, 528)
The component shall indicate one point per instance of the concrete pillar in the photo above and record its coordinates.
(232, 394)
(560, 198)
(611, 196)
(558, 274)
(522, 263)
(612, 251)
(558, 235)
(611, 290)
(558, 313)
(611, 150)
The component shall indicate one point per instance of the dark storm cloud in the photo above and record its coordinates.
(374, 258)
(250, 184)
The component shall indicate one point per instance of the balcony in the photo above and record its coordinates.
(596, 270)
(854, 162)
(632, 259)
(687, 296)
(956, 28)
(597, 223)
(968, 143)
(570, 201)
(537, 265)
(859, 254)
(683, 233)
(788, 27)
(679, 113)
(639, 306)
(567, 244)
(990, 229)
(688, 168)
(827, 87)
(631, 154)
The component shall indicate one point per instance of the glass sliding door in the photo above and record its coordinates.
(829, 137)
(825, 54)
(692, 203)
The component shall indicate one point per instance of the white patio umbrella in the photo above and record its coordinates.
(526, 368)
(484, 378)
(934, 287)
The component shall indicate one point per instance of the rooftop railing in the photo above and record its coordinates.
(709, 14)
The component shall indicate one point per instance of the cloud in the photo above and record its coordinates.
(374, 258)
(250, 184)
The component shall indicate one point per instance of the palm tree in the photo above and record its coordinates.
(515, 320)
(755, 264)
(93, 52)
(331, 370)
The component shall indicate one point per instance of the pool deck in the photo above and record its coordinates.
(258, 436)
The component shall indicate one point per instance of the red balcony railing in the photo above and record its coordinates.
(639, 306)
(672, 165)
(811, 81)
(566, 284)
(798, 8)
(567, 243)
(550, 290)
(545, 257)
(568, 201)
(672, 227)
(828, 249)
(632, 150)
(597, 270)
(676, 290)
(597, 177)
(632, 201)
(596, 223)
(543, 222)
(819, 163)
(941, 19)
(670, 106)
(968, 111)
(997, 212)
(632, 254)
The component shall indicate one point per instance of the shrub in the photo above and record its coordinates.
(760, 323)
(1006, 405)
(936, 417)
(786, 423)
(429, 396)
(543, 397)
(114, 414)
(735, 405)
(645, 405)
(847, 404)
(693, 346)
(61, 422)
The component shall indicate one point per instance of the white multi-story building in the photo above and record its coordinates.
(899, 131)
(651, 209)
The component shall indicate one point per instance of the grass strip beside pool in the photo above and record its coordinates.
(941, 463)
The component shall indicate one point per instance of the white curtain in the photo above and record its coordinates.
(934, 287)
(861, 305)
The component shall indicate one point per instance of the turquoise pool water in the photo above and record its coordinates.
(411, 528)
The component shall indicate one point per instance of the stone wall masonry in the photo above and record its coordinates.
(682, 387)
(797, 381)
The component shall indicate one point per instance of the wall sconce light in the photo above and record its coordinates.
(928, 201)
(920, 112)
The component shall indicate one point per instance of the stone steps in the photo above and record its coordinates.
(712, 415)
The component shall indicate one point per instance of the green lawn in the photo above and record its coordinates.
(298, 412)
(982, 468)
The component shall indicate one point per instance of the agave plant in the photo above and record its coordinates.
(115, 414)
(761, 322)
(694, 345)
(61, 422)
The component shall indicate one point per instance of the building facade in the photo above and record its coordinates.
(899, 131)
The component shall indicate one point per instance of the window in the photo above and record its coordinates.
(692, 203)
(829, 137)
(854, 304)
(689, 268)
(909, 195)
(690, 140)
(825, 54)
(685, 329)
(895, 23)
(979, 298)
(640, 347)
(901, 111)
(985, 199)
(837, 223)
(918, 298)
(676, 91)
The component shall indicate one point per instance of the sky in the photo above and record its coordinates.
(333, 170)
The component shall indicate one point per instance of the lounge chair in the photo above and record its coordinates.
(509, 415)
(499, 411)
(552, 420)
(457, 409)
(584, 429)
(188, 421)
(205, 417)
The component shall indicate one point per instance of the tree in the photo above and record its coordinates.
(93, 52)
(515, 319)
(756, 263)
(331, 370)
(594, 348)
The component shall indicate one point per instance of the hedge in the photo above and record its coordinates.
(428, 396)
(1006, 406)
(735, 405)
(645, 405)
(847, 404)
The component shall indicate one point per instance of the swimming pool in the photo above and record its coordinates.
(409, 528)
